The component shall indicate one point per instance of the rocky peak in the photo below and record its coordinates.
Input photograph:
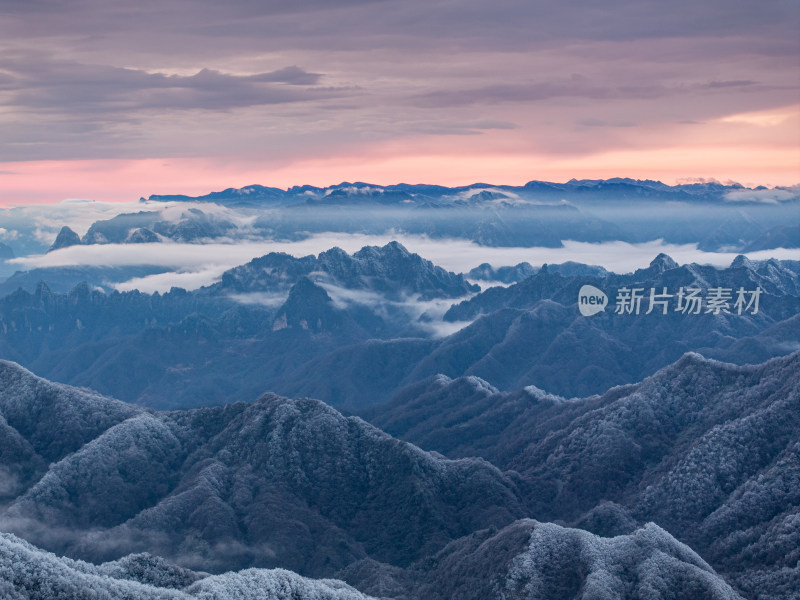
(65, 238)
(663, 262)
(741, 261)
(308, 307)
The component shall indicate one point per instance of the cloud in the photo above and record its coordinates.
(283, 82)
(450, 127)
(56, 107)
(260, 299)
(48, 85)
(773, 196)
(363, 24)
(79, 216)
(292, 75)
(431, 311)
(576, 87)
(765, 118)
(192, 265)
(9, 482)
(35, 227)
(592, 122)
(730, 84)
(196, 265)
(342, 297)
(163, 282)
(77, 201)
(441, 329)
(45, 236)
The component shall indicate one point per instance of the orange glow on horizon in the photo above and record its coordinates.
(126, 180)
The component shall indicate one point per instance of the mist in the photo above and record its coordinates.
(197, 265)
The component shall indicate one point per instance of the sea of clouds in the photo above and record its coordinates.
(196, 265)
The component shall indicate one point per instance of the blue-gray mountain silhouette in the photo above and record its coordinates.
(536, 214)
(261, 328)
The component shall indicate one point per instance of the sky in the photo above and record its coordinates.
(110, 100)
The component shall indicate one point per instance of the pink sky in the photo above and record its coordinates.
(105, 103)
(121, 180)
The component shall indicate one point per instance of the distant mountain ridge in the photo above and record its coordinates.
(710, 216)
(713, 216)
(618, 188)
(517, 273)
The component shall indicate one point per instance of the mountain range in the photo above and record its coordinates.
(707, 450)
(353, 329)
(536, 214)
(366, 424)
(519, 494)
(711, 216)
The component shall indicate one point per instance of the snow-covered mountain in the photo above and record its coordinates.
(707, 450)
(704, 452)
